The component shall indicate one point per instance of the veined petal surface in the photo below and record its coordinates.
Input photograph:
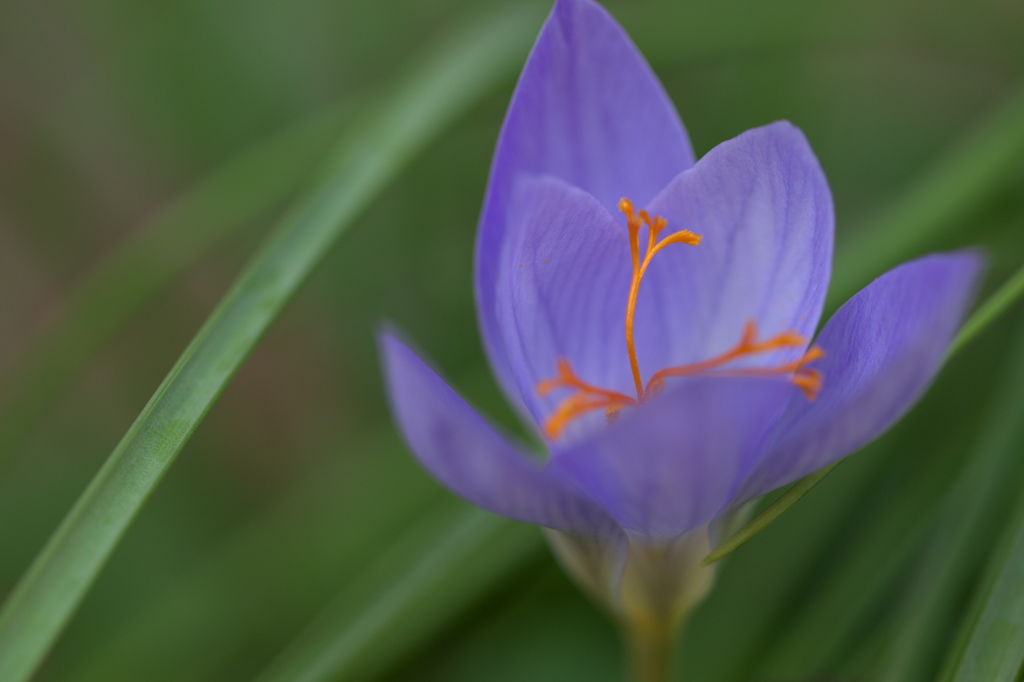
(764, 209)
(467, 455)
(672, 464)
(564, 294)
(884, 347)
(587, 110)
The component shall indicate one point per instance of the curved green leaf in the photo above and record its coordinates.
(387, 134)
(774, 511)
(442, 563)
(270, 575)
(991, 643)
(976, 503)
(996, 305)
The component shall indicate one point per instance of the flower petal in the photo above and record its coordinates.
(468, 456)
(672, 464)
(587, 110)
(564, 294)
(764, 208)
(884, 347)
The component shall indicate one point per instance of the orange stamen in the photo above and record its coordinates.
(587, 398)
(807, 380)
(748, 345)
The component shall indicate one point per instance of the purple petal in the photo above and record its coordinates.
(467, 455)
(670, 465)
(587, 110)
(884, 347)
(564, 295)
(764, 208)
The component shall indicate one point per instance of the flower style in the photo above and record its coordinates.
(663, 354)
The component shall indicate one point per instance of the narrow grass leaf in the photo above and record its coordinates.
(727, 635)
(431, 573)
(960, 533)
(991, 642)
(389, 132)
(994, 306)
(910, 525)
(867, 563)
(762, 520)
(264, 582)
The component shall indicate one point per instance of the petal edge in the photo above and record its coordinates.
(459, 448)
(884, 347)
(589, 111)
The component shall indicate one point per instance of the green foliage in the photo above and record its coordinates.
(369, 154)
(296, 540)
(993, 635)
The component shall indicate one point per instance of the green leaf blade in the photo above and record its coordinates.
(992, 642)
(391, 131)
(443, 563)
(765, 518)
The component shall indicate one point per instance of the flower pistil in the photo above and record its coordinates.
(587, 398)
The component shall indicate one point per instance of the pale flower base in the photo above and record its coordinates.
(650, 597)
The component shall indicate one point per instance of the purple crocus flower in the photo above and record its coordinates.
(714, 395)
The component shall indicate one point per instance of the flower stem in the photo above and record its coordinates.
(651, 648)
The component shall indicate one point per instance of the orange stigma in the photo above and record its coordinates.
(634, 221)
(808, 380)
(587, 398)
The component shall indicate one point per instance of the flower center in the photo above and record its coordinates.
(586, 398)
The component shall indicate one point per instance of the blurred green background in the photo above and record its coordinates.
(295, 489)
